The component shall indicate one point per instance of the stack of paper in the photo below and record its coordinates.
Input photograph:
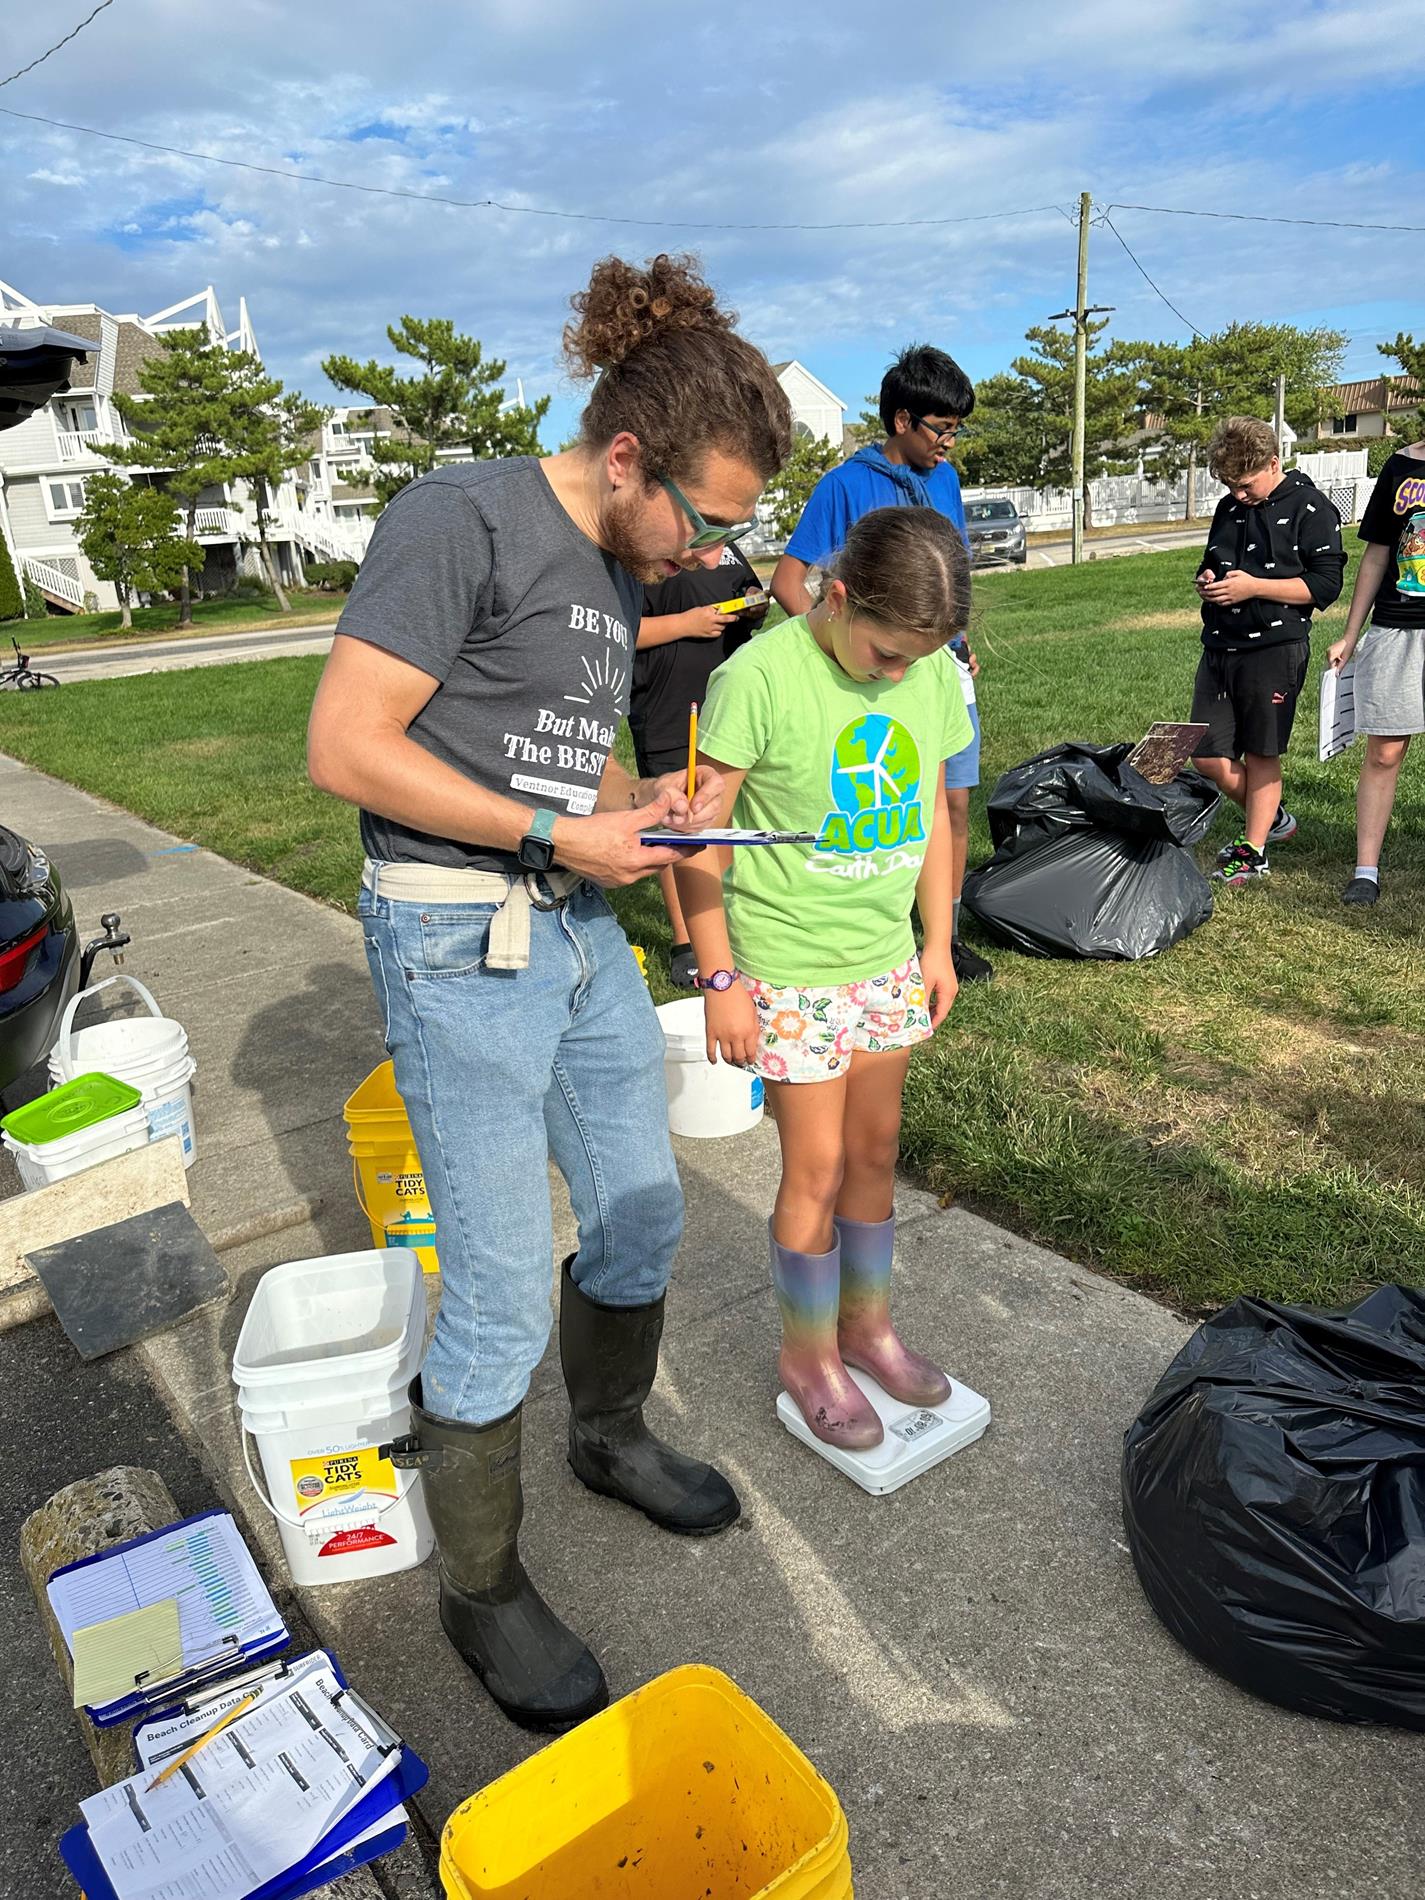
(295, 1791)
(148, 1619)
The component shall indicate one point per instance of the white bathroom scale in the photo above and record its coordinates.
(917, 1436)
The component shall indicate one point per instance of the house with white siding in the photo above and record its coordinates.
(818, 414)
(46, 460)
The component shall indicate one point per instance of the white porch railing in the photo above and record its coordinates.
(215, 521)
(77, 446)
(54, 581)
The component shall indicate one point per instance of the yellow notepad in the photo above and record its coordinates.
(110, 1657)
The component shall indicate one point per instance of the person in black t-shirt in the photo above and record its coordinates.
(1390, 663)
(1273, 557)
(683, 638)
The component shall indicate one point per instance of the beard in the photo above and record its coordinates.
(619, 536)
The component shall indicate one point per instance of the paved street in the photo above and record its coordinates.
(969, 1661)
(165, 656)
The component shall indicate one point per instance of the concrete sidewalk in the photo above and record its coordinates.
(970, 1661)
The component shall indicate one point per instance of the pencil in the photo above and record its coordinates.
(692, 747)
(203, 1740)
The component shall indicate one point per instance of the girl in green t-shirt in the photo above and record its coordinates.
(838, 724)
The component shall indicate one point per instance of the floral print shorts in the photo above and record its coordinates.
(808, 1033)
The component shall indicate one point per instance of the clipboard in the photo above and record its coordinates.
(231, 1653)
(336, 1853)
(727, 834)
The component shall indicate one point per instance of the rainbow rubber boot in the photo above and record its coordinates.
(808, 1293)
(866, 1337)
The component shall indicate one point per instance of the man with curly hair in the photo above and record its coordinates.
(478, 677)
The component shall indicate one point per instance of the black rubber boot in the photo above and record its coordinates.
(538, 1671)
(610, 1356)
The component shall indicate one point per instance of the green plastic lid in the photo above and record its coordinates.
(68, 1109)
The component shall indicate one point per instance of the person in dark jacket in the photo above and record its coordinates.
(691, 624)
(1274, 555)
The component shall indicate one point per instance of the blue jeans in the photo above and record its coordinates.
(498, 1069)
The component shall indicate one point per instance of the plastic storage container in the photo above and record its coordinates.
(83, 1122)
(682, 1790)
(705, 1099)
(326, 1352)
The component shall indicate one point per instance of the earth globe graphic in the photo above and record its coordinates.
(875, 764)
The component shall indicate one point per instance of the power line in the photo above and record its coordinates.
(497, 204)
(58, 43)
(1259, 217)
(1105, 219)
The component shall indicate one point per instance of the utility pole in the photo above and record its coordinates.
(1081, 314)
(1279, 421)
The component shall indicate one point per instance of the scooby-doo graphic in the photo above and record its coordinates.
(1410, 556)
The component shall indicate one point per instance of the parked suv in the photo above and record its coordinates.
(996, 532)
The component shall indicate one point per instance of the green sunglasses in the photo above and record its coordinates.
(705, 534)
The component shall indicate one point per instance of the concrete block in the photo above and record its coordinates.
(85, 1518)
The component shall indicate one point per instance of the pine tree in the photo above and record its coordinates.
(270, 435)
(458, 403)
(130, 535)
(1192, 386)
(1110, 397)
(191, 407)
(1410, 355)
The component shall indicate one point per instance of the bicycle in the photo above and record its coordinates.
(22, 677)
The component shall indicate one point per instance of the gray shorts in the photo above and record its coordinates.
(1390, 681)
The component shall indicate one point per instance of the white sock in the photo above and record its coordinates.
(1371, 871)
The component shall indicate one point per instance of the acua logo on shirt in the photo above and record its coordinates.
(875, 788)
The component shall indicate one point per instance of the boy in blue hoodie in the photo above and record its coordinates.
(925, 396)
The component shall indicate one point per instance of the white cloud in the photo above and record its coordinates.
(815, 113)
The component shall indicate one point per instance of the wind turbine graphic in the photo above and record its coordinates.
(881, 780)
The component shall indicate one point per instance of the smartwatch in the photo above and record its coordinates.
(719, 980)
(536, 847)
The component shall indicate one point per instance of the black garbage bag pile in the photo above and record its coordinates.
(1090, 858)
(1274, 1500)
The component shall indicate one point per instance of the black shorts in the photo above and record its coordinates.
(1247, 698)
(660, 760)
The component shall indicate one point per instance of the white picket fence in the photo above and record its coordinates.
(1132, 499)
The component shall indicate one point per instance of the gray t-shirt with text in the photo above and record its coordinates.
(477, 576)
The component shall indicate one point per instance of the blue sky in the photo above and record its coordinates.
(813, 113)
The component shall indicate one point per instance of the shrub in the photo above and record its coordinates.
(331, 576)
(12, 601)
(36, 606)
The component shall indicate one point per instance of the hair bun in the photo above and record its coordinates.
(626, 306)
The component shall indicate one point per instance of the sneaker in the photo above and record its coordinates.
(1228, 853)
(970, 967)
(1361, 890)
(1283, 827)
(682, 967)
(1244, 865)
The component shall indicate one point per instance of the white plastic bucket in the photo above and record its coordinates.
(326, 1352)
(148, 1052)
(705, 1099)
(41, 1163)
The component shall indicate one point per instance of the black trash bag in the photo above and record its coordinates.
(1075, 787)
(1054, 893)
(1274, 1500)
(1089, 858)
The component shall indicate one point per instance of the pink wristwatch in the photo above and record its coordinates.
(719, 980)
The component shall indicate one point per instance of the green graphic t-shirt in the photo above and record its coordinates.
(857, 764)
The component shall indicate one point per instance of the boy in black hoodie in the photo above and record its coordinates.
(1273, 556)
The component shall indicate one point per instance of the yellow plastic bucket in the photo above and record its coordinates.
(386, 1169)
(682, 1790)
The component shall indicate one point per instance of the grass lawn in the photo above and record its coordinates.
(249, 612)
(1243, 1115)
